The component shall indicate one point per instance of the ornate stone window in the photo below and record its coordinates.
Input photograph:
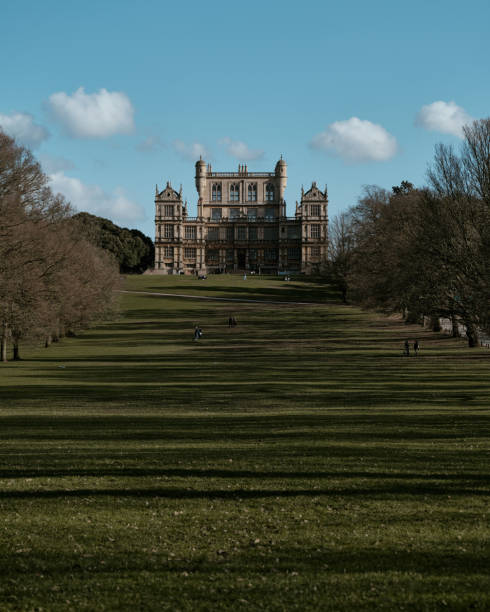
(168, 210)
(212, 255)
(168, 231)
(315, 210)
(293, 253)
(241, 232)
(252, 192)
(315, 231)
(269, 192)
(190, 253)
(216, 214)
(270, 254)
(190, 232)
(216, 192)
(168, 251)
(270, 233)
(315, 251)
(234, 193)
(213, 233)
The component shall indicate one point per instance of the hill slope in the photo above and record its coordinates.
(296, 461)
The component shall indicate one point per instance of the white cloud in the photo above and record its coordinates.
(191, 151)
(96, 115)
(22, 127)
(356, 140)
(52, 164)
(446, 117)
(150, 144)
(93, 199)
(239, 150)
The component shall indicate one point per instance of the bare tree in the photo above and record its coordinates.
(49, 276)
(341, 251)
(460, 220)
(476, 158)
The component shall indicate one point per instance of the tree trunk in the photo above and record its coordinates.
(411, 317)
(472, 336)
(455, 327)
(435, 324)
(16, 351)
(4, 342)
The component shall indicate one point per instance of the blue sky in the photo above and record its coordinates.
(115, 96)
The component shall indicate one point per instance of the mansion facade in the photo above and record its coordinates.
(241, 225)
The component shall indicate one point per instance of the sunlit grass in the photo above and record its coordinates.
(297, 461)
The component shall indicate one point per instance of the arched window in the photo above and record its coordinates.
(216, 194)
(234, 193)
(252, 192)
(269, 192)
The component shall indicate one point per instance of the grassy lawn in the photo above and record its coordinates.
(295, 462)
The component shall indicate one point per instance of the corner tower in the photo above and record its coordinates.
(201, 175)
(281, 173)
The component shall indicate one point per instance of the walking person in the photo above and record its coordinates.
(197, 333)
(416, 347)
(407, 348)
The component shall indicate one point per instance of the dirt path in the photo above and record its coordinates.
(224, 299)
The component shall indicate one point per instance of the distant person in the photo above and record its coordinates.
(233, 322)
(407, 348)
(230, 321)
(245, 276)
(197, 333)
(416, 347)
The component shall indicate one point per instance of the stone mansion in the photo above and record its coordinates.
(241, 225)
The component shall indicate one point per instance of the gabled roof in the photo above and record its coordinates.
(314, 194)
(169, 193)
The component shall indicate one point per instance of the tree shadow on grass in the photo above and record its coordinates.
(466, 479)
(399, 490)
(396, 489)
(264, 558)
(151, 389)
(360, 424)
(393, 444)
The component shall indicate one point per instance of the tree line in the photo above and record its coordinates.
(53, 279)
(423, 252)
(133, 251)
